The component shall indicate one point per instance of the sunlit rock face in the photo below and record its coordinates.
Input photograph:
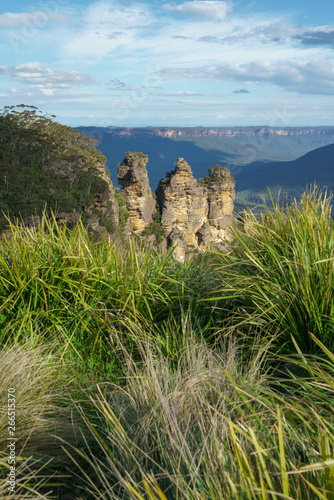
(136, 191)
(196, 214)
(220, 194)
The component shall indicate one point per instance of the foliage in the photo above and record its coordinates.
(45, 164)
(156, 228)
(123, 213)
(278, 278)
(216, 174)
(107, 223)
(135, 154)
(166, 181)
(212, 428)
(56, 284)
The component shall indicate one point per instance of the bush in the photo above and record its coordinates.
(156, 228)
(278, 277)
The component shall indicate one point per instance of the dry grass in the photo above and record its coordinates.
(37, 376)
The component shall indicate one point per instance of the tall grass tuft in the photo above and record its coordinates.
(278, 277)
(212, 428)
(59, 284)
(35, 377)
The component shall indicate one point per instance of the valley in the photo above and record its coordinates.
(258, 157)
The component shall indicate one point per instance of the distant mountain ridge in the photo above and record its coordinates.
(204, 147)
(258, 157)
(290, 177)
(174, 132)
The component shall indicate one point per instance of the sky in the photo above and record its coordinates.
(211, 63)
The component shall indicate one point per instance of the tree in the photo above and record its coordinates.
(44, 163)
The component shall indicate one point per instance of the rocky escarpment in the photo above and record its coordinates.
(196, 132)
(196, 214)
(136, 191)
(105, 205)
(102, 213)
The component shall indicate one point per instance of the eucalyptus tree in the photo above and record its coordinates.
(45, 164)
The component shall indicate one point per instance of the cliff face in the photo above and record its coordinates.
(105, 205)
(184, 208)
(188, 132)
(102, 214)
(196, 215)
(238, 132)
(136, 191)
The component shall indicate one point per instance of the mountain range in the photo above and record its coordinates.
(258, 157)
(289, 177)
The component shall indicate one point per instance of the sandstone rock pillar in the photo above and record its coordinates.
(136, 191)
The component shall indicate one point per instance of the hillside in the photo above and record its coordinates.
(46, 165)
(292, 176)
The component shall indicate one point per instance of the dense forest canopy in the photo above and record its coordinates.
(44, 164)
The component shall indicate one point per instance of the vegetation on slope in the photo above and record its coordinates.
(44, 165)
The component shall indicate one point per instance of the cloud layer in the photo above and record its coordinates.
(313, 77)
(44, 79)
(20, 19)
(214, 10)
(210, 60)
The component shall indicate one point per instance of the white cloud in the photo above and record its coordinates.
(45, 79)
(36, 18)
(213, 10)
(184, 93)
(263, 32)
(133, 34)
(106, 27)
(306, 77)
(129, 47)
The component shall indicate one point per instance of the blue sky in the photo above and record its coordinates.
(171, 63)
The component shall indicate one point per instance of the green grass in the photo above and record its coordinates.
(278, 278)
(213, 428)
(141, 378)
(59, 284)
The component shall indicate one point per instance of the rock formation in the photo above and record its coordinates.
(196, 214)
(103, 213)
(136, 191)
(184, 207)
(220, 194)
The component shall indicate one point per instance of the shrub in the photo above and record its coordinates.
(278, 277)
(123, 213)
